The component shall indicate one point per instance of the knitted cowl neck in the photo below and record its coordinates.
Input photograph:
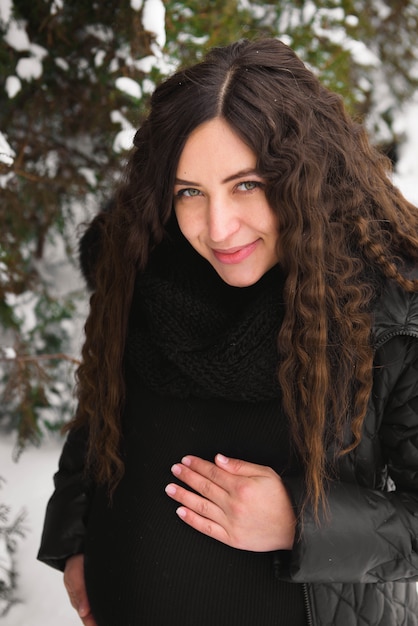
(191, 334)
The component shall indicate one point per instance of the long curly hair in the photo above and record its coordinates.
(344, 229)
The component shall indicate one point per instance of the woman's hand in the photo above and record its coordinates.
(76, 588)
(241, 504)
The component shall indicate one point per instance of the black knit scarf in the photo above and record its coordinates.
(193, 335)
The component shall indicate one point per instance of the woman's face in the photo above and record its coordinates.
(221, 206)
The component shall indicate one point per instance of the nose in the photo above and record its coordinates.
(223, 219)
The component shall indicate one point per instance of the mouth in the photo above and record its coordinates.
(235, 255)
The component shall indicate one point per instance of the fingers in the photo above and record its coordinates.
(204, 525)
(89, 621)
(240, 468)
(76, 588)
(207, 498)
(232, 466)
(238, 503)
(199, 505)
(202, 476)
(203, 506)
(212, 481)
(222, 471)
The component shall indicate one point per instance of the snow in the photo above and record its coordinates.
(148, 85)
(13, 86)
(360, 53)
(29, 68)
(89, 175)
(6, 565)
(406, 176)
(7, 154)
(5, 10)
(23, 305)
(62, 63)
(153, 20)
(145, 64)
(57, 6)
(99, 58)
(43, 599)
(17, 36)
(129, 86)
(124, 138)
(352, 21)
(9, 353)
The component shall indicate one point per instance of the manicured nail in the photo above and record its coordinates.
(186, 461)
(170, 490)
(222, 459)
(181, 512)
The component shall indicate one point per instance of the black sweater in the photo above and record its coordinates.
(144, 566)
(200, 370)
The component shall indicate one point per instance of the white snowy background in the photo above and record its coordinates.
(41, 597)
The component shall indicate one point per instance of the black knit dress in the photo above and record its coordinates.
(200, 372)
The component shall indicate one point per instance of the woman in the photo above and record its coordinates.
(245, 447)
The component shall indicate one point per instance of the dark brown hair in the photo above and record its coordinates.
(343, 229)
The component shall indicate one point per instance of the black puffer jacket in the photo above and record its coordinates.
(360, 565)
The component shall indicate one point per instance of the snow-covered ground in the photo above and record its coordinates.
(29, 481)
(43, 599)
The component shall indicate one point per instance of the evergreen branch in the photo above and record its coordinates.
(27, 358)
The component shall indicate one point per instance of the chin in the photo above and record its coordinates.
(240, 281)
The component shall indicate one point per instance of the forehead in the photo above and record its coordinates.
(215, 145)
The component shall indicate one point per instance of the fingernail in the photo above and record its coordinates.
(222, 459)
(186, 460)
(170, 490)
(83, 611)
(176, 470)
(181, 512)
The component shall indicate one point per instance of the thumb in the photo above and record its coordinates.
(238, 467)
(75, 584)
(79, 601)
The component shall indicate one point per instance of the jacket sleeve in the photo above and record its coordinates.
(370, 535)
(67, 510)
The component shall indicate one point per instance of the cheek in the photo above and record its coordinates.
(267, 222)
(271, 228)
(187, 224)
(274, 224)
(180, 218)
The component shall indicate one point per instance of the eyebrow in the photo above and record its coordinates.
(240, 174)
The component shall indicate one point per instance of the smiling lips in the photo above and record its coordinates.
(235, 255)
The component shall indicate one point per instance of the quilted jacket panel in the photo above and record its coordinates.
(382, 604)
